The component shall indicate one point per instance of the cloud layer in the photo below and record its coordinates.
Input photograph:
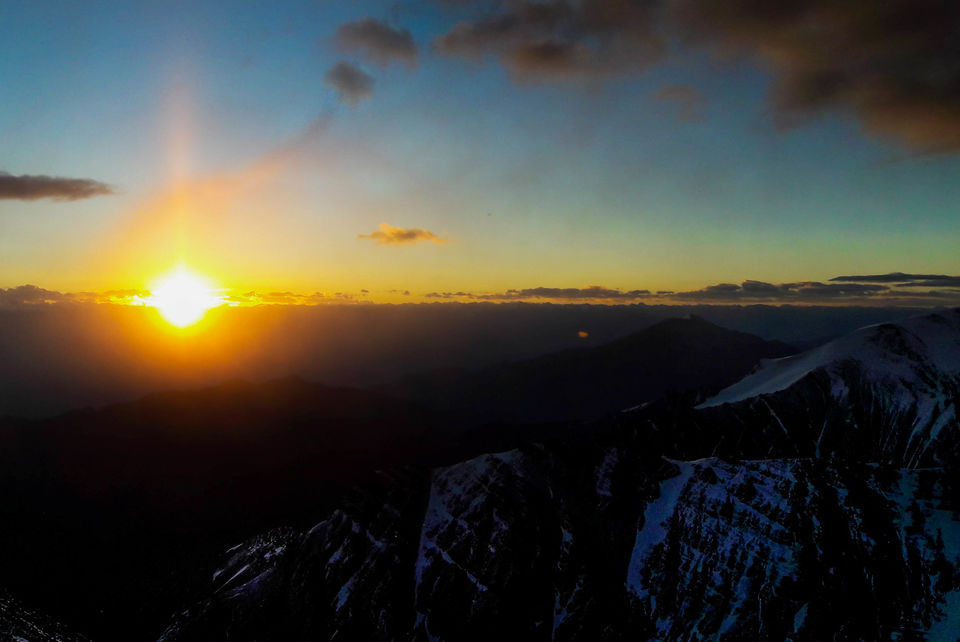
(921, 290)
(894, 65)
(36, 187)
(390, 235)
(377, 41)
(352, 85)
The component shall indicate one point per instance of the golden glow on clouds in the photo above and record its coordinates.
(183, 298)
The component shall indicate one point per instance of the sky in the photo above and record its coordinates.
(590, 150)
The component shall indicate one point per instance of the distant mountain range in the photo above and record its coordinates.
(587, 383)
(110, 514)
(817, 498)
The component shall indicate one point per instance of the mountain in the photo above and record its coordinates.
(815, 499)
(21, 624)
(106, 513)
(586, 383)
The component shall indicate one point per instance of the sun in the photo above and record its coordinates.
(182, 298)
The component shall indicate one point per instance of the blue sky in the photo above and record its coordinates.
(559, 184)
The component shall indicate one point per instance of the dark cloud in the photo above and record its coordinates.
(560, 40)
(895, 65)
(390, 235)
(948, 282)
(578, 294)
(32, 188)
(760, 290)
(901, 277)
(378, 42)
(30, 295)
(352, 85)
(686, 100)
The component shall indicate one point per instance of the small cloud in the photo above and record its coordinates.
(378, 42)
(686, 100)
(390, 235)
(32, 188)
(352, 85)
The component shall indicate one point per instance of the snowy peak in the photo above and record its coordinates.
(909, 353)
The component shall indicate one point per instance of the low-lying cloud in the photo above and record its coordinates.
(590, 292)
(390, 235)
(905, 280)
(35, 187)
(921, 290)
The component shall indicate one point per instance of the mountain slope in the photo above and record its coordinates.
(586, 383)
(664, 524)
(20, 624)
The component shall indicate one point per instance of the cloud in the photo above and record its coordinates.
(378, 42)
(760, 290)
(904, 280)
(579, 294)
(588, 293)
(352, 85)
(390, 235)
(558, 40)
(29, 295)
(947, 282)
(32, 188)
(687, 100)
(894, 66)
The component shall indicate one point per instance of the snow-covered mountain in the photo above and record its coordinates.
(19, 623)
(816, 499)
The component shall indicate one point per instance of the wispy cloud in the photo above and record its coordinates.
(377, 41)
(352, 85)
(390, 235)
(35, 187)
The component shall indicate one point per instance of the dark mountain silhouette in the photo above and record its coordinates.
(113, 514)
(815, 499)
(587, 383)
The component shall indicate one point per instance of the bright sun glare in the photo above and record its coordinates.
(182, 298)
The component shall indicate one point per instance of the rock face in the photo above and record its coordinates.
(817, 499)
(21, 624)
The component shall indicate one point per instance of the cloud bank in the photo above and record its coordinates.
(36, 187)
(920, 290)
